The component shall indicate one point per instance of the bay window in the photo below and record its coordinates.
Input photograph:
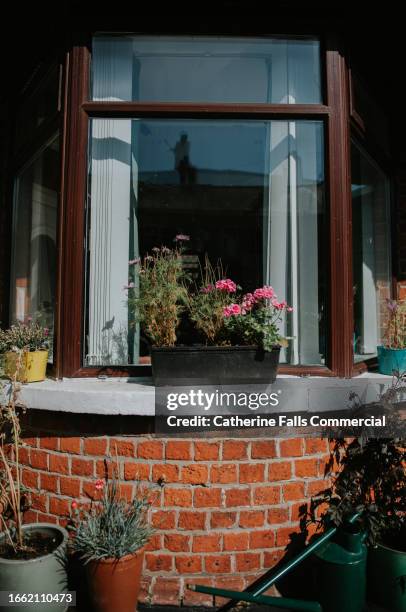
(240, 142)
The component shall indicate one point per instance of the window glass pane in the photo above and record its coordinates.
(38, 108)
(199, 69)
(371, 252)
(34, 238)
(248, 192)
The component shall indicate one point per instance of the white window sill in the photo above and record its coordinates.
(123, 396)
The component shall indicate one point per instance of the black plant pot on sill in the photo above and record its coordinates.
(213, 365)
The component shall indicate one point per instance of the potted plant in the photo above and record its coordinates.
(25, 346)
(32, 556)
(110, 537)
(370, 478)
(392, 354)
(237, 335)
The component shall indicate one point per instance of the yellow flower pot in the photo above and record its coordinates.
(33, 366)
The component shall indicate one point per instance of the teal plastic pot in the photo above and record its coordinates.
(391, 360)
(387, 578)
(46, 574)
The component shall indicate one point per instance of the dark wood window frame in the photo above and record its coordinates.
(78, 109)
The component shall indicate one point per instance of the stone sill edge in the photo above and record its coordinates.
(136, 397)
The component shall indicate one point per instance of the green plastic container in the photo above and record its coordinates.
(45, 574)
(391, 360)
(340, 572)
(387, 578)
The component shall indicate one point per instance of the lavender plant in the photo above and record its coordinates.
(113, 527)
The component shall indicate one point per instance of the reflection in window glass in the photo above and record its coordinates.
(248, 192)
(371, 252)
(33, 269)
(206, 69)
(38, 108)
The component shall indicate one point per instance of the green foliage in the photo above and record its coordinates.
(112, 528)
(258, 327)
(369, 476)
(157, 294)
(27, 336)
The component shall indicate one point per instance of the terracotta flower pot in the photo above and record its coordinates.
(33, 366)
(115, 584)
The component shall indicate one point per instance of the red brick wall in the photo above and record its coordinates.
(224, 510)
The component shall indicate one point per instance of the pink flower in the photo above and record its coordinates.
(264, 293)
(278, 305)
(248, 302)
(207, 289)
(74, 505)
(99, 485)
(134, 261)
(281, 305)
(181, 238)
(227, 285)
(233, 309)
(46, 331)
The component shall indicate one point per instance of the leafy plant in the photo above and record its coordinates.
(256, 318)
(157, 293)
(27, 336)
(113, 527)
(395, 333)
(371, 479)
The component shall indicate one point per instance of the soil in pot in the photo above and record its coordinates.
(35, 545)
(114, 584)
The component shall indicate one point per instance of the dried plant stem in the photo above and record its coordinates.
(12, 498)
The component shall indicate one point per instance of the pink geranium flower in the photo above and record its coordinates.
(232, 310)
(226, 284)
(264, 293)
(248, 302)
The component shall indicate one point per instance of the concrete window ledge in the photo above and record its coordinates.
(124, 396)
